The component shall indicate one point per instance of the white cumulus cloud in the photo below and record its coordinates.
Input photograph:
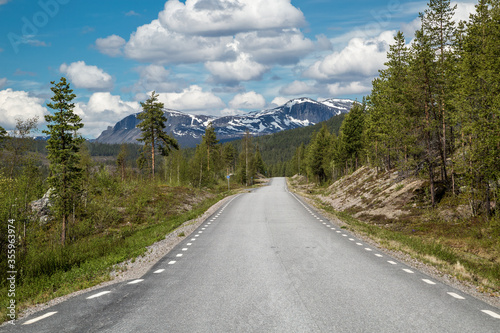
(242, 69)
(351, 88)
(360, 58)
(249, 100)
(229, 17)
(111, 45)
(298, 88)
(154, 77)
(154, 43)
(19, 104)
(103, 110)
(192, 99)
(286, 46)
(87, 77)
(264, 32)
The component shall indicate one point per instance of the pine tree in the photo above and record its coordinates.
(438, 25)
(152, 125)
(422, 95)
(318, 155)
(351, 135)
(63, 147)
(121, 160)
(388, 118)
(259, 163)
(479, 104)
(210, 139)
(229, 154)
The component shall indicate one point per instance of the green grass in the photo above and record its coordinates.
(119, 224)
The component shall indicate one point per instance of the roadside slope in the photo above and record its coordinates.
(392, 211)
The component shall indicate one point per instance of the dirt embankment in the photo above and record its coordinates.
(370, 196)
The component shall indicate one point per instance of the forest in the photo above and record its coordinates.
(434, 112)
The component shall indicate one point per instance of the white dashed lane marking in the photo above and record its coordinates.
(457, 296)
(491, 313)
(408, 270)
(159, 271)
(179, 255)
(136, 281)
(34, 320)
(359, 244)
(185, 249)
(379, 255)
(392, 262)
(172, 262)
(99, 294)
(428, 281)
(189, 244)
(368, 249)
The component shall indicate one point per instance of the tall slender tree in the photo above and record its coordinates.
(63, 146)
(210, 139)
(479, 104)
(438, 25)
(152, 125)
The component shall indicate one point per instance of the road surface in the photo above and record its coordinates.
(267, 262)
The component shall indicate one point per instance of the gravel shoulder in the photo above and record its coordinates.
(134, 269)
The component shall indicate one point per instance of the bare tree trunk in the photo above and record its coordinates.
(431, 179)
(153, 158)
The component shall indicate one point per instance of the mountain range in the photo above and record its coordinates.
(188, 129)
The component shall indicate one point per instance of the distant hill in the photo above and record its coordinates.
(188, 129)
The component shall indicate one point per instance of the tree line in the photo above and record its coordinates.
(433, 111)
(64, 164)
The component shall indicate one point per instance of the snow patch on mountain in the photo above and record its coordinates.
(188, 129)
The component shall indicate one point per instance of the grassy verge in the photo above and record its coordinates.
(469, 252)
(120, 223)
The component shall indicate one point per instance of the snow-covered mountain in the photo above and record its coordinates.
(188, 129)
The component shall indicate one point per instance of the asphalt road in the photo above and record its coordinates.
(267, 262)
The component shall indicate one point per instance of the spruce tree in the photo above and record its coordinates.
(63, 147)
(152, 125)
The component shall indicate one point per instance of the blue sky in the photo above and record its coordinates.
(213, 57)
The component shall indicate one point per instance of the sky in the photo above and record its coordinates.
(213, 57)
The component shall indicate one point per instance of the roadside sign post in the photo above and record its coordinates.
(228, 176)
